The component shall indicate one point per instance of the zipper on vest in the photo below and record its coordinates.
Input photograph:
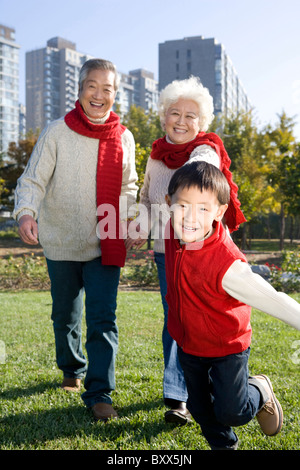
(179, 258)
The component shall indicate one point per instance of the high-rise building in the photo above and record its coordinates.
(138, 88)
(146, 89)
(208, 60)
(52, 84)
(51, 81)
(9, 88)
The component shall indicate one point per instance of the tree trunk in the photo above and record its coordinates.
(244, 236)
(282, 227)
(291, 229)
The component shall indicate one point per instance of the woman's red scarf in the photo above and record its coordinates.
(176, 155)
(108, 175)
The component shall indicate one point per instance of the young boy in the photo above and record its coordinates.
(210, 290)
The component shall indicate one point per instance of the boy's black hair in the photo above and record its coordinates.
(204, 176)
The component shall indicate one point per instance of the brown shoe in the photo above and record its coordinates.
(71, 385)
(178, 415)
(270, 415)
(104, 411)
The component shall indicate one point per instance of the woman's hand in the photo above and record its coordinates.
(135, 237)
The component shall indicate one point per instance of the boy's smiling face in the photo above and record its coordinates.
(193, 212)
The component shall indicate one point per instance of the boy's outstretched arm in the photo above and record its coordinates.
(241, 283)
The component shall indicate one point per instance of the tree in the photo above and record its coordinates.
(13, 166)
(289, 184)
(279, 154)
(145, 127)
(242, 142)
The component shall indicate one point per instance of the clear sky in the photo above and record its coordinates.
(262, 38)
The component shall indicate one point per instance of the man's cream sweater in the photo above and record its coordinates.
(58, 188)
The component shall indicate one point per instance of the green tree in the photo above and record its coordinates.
(145, 127)
(280, 151)
(289, 183)
(242, 142)
(13, 166)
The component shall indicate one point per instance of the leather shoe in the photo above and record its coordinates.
(178, 415)
(104, 411)
(71, 384)
(270, 415)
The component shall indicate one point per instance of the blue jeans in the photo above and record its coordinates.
(173, 383)
(69, 281)
(220, 395)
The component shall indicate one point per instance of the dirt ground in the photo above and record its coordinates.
(15, 247)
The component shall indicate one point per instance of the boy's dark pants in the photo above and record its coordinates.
(219, 395)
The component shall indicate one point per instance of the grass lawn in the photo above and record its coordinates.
(36, 414)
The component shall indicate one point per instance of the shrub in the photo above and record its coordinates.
(287, 278)
(140, 269)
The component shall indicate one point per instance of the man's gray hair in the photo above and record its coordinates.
(98, 64)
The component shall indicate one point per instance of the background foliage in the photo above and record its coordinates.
(265, 164)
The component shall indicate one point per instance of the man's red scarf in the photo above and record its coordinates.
(108, 175)
(176, 155)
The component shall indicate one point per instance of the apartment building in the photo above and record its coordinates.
(138, 88)
(51, 81)
(208, 60)
(52, 84)
(9, 88)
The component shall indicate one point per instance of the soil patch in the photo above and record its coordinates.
(15, 247)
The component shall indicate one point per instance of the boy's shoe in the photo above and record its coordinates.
(232, 447)
(270, 415)
(71, 384)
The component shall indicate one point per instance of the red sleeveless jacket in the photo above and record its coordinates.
(202, 318)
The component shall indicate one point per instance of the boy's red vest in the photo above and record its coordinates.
(202, 318)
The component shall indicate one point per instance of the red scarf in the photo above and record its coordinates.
(108, 175)
(176, 155)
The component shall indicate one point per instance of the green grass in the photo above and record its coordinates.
(36, 414)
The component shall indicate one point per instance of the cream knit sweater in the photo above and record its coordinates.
(58, 188)
(155, 188)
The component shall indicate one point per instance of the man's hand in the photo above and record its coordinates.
(28, 230)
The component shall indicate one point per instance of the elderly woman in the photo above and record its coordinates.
(66, 183)
(186, 111)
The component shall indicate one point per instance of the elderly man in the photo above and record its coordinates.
(82, 163)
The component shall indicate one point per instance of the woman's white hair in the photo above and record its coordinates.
(189, 89)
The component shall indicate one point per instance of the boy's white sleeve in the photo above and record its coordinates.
(205, 153)
(241, 283)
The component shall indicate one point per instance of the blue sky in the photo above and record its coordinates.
(262, 38)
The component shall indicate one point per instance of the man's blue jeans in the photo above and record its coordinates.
(173, 383)
(69, 281)
(220, 395)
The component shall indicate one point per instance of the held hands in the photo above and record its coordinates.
(28, 230)
(136, 238)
